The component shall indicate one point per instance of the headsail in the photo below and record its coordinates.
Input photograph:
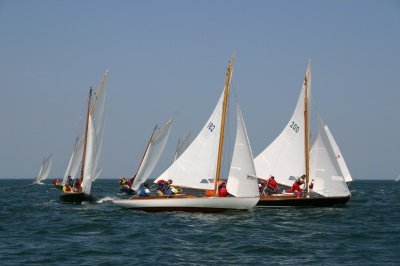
(324, 167)
(44, 169)
(152, 154)
(242, 181)
(75, 160)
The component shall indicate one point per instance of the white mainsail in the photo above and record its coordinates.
(241, 180)
(44, 169)
(75, 161)
(339, 157)
(285, 157)
(94, 138)
(196, 167)
(324, 167)
(152, 155)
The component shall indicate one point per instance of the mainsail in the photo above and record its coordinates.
(195, 168)
(44, 169)
(242, 181)
(152, 154)
(284, 157)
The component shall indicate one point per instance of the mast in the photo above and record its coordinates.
(86, 131)
(306, 127)
(223, 118)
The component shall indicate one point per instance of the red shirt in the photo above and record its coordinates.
(272, 184)
(295, 187)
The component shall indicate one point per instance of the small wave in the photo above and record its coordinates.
(107, 198)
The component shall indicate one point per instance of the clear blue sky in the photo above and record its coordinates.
(168, 58)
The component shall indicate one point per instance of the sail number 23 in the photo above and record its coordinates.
(211, 126)
(295, 127)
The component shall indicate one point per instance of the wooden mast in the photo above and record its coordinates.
(86, 131)
(306, 127)
(223, 118)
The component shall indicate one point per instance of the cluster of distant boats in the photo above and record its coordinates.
(197, 165)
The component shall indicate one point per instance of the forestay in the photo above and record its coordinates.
(152, 155)
(242, 181)
(196, 167)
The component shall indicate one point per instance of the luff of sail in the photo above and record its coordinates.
(241, 180)
(152, 154)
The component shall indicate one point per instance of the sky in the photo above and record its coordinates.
(168, 59)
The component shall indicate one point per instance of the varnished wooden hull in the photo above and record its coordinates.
(291, 201)
(75, 197)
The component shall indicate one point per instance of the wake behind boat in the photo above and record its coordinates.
(86, 153)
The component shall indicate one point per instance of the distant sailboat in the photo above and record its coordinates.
(150, 157)
(290, 156)
(199, 167)
(181, 146)
(397, 179)
(44, 169)
(87, 150)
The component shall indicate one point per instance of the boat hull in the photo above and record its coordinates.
(291, 201)
(188, 203)
(75, 197)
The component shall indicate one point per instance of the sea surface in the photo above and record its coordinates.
(36, 229)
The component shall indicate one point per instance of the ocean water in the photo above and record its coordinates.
(35, 229)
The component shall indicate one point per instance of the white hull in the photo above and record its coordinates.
(201, 204)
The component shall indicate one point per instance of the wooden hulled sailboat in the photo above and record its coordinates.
(151, 155)
(199, 167)
(44, 169)
(86, 152)
(290, 156)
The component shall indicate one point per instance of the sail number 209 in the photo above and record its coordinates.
(295, 127)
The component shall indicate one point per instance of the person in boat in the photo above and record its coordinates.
(161, 187)
(122, 181)
(170, 189)
(56, 182)
(272, 186)
(67, 188)
(70, 181)
(130, 182)
(77, 185)
(222, 191)
(144, 191)
(296, 188)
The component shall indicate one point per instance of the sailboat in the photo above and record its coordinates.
(290, 156)
(44, 169)
(151, 155)
(87, 150)
(397, 179)
(199, 167)
(181, 146)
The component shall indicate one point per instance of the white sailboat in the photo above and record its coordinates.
(397, 179)
(151, 155)
(181, 146)
(289, 156)
(86, 152)
(44, 169)
(199, 167)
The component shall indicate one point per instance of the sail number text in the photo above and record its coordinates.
(295, 127)
(211, 126)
